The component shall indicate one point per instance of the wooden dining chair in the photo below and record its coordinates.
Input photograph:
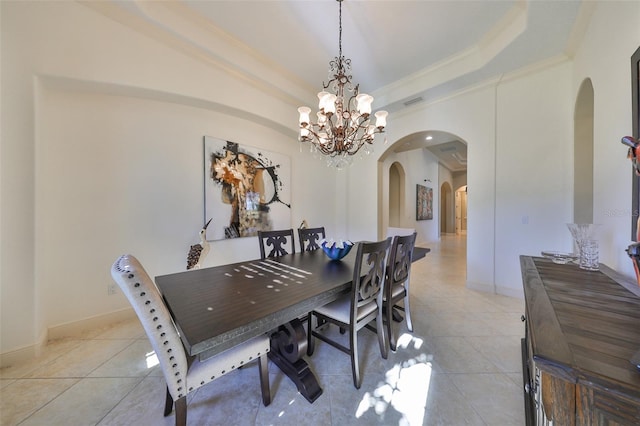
(281, 243)
(183, 374)
(396, 287)
(358, 308)
(310, 238)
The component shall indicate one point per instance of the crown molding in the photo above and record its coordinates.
(512, 25)
(175, 25)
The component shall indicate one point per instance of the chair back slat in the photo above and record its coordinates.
(281, 242)
(310, 238)
(400, 257)
(369, 274)
(146, 300)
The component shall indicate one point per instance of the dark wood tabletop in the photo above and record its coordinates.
(419, 253)
(220, 307)
(217, 308)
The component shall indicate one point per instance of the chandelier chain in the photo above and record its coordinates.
(340, 31)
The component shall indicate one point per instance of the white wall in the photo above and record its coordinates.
(534, 151)
(604, 57)
(119, 174)
(102, 154)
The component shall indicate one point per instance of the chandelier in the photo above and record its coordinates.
(344, 124)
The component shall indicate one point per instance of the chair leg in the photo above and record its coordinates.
(355, 367)
(263, 367)
(310, 340)
(382, 341)
(388, 319)
(407, 312)
(168, 403)
(181, 411)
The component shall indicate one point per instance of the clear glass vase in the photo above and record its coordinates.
(586, 244)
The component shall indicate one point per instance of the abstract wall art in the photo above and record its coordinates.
(246, 189)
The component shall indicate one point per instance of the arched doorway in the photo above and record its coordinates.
(396, 195)
(427, 158)
(447, 209)
(583, 155)
(461, 210)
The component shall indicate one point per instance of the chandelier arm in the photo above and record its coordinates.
(352, 142)
(331, 128)
(352, 99)
(327, 148)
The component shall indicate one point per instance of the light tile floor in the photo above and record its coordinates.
(461, 366)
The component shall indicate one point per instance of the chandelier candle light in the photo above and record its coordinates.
(344, 122)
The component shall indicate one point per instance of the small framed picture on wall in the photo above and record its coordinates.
(424, 203)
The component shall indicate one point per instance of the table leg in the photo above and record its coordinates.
(288, 345)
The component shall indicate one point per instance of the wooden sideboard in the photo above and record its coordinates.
(582, 330)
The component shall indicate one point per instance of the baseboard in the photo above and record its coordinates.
(70, 329)
(77, 328)
(518, 293)
(484, 287)
(23, 354)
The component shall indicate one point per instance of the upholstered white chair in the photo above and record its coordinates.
(396, 287)
(358, 308)
(183, 374)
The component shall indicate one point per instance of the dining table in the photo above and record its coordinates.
(217, 308)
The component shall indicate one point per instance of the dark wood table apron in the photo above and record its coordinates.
(218, 308)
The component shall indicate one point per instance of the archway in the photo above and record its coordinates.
(447, 209)
(429, 158)
(583, 155)
(396, 195)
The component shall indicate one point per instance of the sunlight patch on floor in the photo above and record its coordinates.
(406, 340)
(405, 390)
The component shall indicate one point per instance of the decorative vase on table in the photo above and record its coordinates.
(586, 243)
(336, 250)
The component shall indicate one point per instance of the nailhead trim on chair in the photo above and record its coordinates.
(154, 311)
(164, 338)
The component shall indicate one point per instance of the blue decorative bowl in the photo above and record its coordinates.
(336, 253)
